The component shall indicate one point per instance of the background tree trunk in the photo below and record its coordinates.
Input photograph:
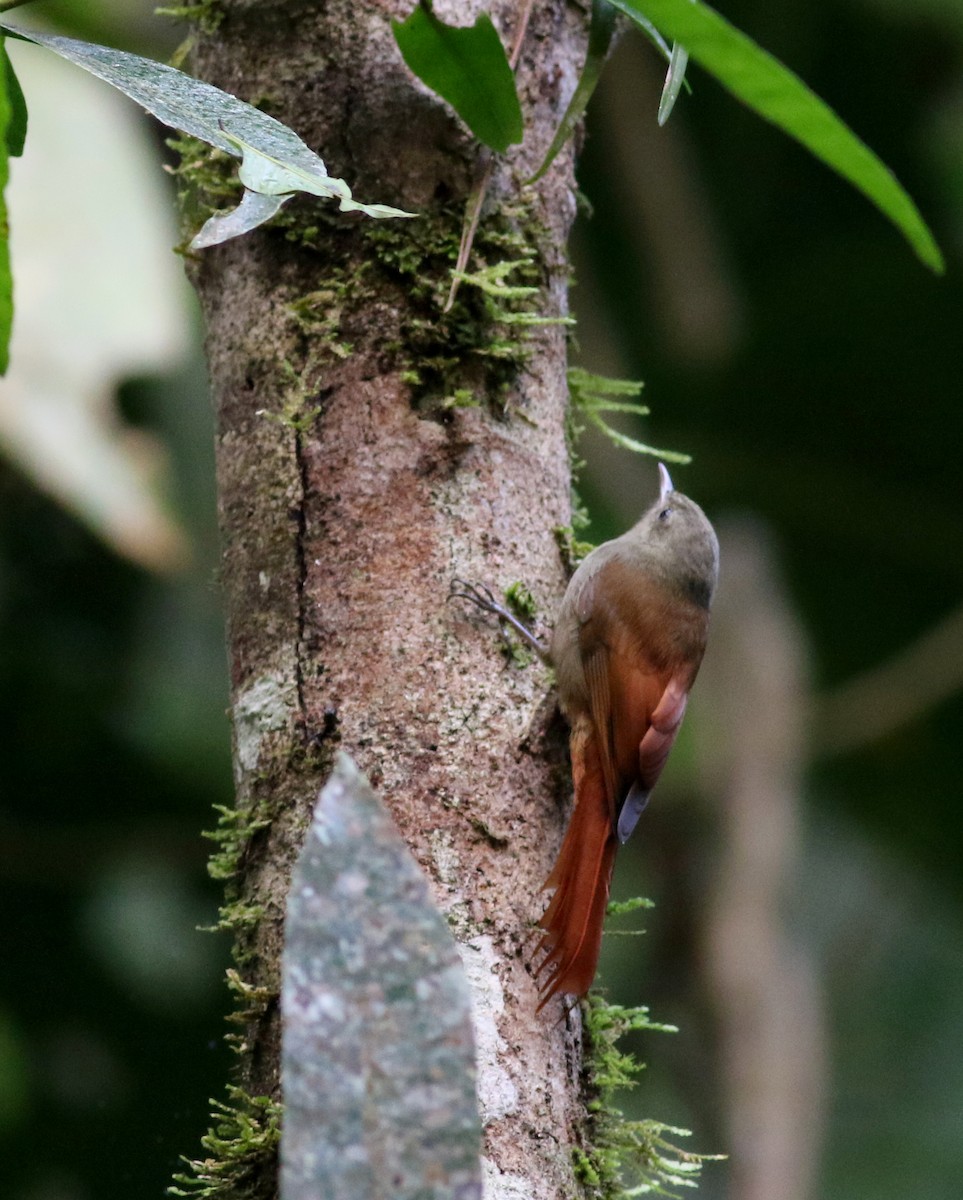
(353, 490)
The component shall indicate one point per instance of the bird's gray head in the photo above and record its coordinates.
(679, 537)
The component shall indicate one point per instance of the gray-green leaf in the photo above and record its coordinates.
(255, 208)
(467, 67)
(774, 92)
(269, 149)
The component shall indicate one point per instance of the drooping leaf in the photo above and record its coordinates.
(466, 66)
(16, 133)
(776, 93)
(6, 279)
(268, 176)
(600, 38)
(214, 116)
(255, 208)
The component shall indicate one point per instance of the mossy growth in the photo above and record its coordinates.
(243, 1138)
(242, 1142)
(591, 396)
(624, 1157)
(464, 355)
(470, 354)
(521, 601)
(570, 546)
(235, 828)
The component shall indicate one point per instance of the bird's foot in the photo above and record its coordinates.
(483, 597)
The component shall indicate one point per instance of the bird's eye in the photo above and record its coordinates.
(664, 514)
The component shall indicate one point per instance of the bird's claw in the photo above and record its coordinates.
(483, 597)
(475, 593)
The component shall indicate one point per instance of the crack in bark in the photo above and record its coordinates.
(302, 576)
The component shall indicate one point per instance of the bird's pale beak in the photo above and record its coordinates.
(665, 482)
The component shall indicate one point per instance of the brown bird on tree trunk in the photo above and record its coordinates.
(627, 645)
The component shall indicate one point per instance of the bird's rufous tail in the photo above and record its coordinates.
(581, 877)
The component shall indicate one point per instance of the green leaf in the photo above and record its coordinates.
(468, 68)
(600, 38)
(774, 92)
(16, 132)
(270, 151)
(7, 119)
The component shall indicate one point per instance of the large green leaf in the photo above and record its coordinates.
(6, 280)
(218, 118)
(467, 67)
(774, 92)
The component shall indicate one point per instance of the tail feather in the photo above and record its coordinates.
(581, 877)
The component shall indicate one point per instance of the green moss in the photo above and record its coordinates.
(235, 828)
(472, 354)
(318, 315)
(618, 908)
(570, 547)
(521, 600)
(622, 1157)
(592, 395)
(242, 1144)
(235, 916)
(242, 1141)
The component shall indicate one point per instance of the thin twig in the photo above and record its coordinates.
(476, 198)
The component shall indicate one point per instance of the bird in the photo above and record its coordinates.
(627, 644)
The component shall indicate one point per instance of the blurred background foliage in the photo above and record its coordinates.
(790, 341)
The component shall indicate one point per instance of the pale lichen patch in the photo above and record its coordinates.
(497, 1094)
(263, 708)
(503, 1185)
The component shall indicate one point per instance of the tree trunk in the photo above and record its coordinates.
(371, 449)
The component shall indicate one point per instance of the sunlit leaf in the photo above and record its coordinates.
(774, 92)
(270, 177)
(467, 67)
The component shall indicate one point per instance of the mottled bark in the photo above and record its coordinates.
(351, 495)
